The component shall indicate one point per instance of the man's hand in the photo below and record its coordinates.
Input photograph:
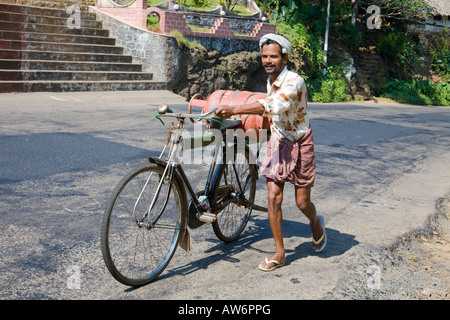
(224, 111)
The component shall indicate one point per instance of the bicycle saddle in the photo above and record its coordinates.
(229, 124)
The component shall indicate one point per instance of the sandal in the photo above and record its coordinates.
(276, 264)
(322, 238)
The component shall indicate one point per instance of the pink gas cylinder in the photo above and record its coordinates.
(224, 97)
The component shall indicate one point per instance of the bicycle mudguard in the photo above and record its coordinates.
(157, 161)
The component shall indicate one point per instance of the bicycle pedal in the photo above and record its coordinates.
(207, 217)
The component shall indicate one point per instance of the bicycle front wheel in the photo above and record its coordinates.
(233, 178)
(137, 245)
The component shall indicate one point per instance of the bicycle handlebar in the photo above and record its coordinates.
(163, 113)
(187, 115)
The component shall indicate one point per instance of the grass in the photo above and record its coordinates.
(153, 23)
(199, 29)
(183, 42)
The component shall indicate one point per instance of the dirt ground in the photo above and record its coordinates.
(427, 255)
(415, 268)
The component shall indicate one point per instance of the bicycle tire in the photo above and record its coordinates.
(136, 255)
(232, 220)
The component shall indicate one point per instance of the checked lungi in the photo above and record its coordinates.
(290, 161)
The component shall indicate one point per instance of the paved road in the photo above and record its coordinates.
(381, 169)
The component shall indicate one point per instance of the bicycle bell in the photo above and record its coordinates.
(162, 109)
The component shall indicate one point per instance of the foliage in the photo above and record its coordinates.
(439, 47)
(230, 4)
(400, 10)
(418, 91)
(153, 22)
(329, 87)
(350, 34)
(303, 23)
(305, 47)
(201, 3)
(399, 52)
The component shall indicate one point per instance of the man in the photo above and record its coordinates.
(290, 150)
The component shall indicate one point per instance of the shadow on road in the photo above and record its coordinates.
(36, 156)
(338, 244)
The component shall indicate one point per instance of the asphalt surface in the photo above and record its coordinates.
(381, 168)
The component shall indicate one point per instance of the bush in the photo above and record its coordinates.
(399, 52)
(305, 47)
(443, 93)
(351, 35)
(331, 87)
(418, 91)
(440, 53)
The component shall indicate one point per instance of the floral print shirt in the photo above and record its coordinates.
(286, 103)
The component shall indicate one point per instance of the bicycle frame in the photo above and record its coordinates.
(175, 163)
(173, 167)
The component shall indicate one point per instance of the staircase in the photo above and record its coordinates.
(45, 48)
(369, 63)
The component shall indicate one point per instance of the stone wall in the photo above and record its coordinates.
(225, 46)
(208, 71)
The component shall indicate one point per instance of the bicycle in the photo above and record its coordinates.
(149, 212)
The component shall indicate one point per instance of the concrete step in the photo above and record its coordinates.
(48, 28)
(20, 64)
(70, 86)
(46, 20)
(52, 37)
(56, 4)
(42, 11)
(59, 47)
(41, 51)
(52, 75)
(64, 56)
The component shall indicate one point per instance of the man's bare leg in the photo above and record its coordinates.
(275, 199)
(303, 201)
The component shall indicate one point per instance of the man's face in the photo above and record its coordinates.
(272, 59)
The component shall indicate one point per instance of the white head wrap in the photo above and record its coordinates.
(282, 41)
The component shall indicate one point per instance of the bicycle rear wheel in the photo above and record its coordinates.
(136, 248)
(232, 220)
